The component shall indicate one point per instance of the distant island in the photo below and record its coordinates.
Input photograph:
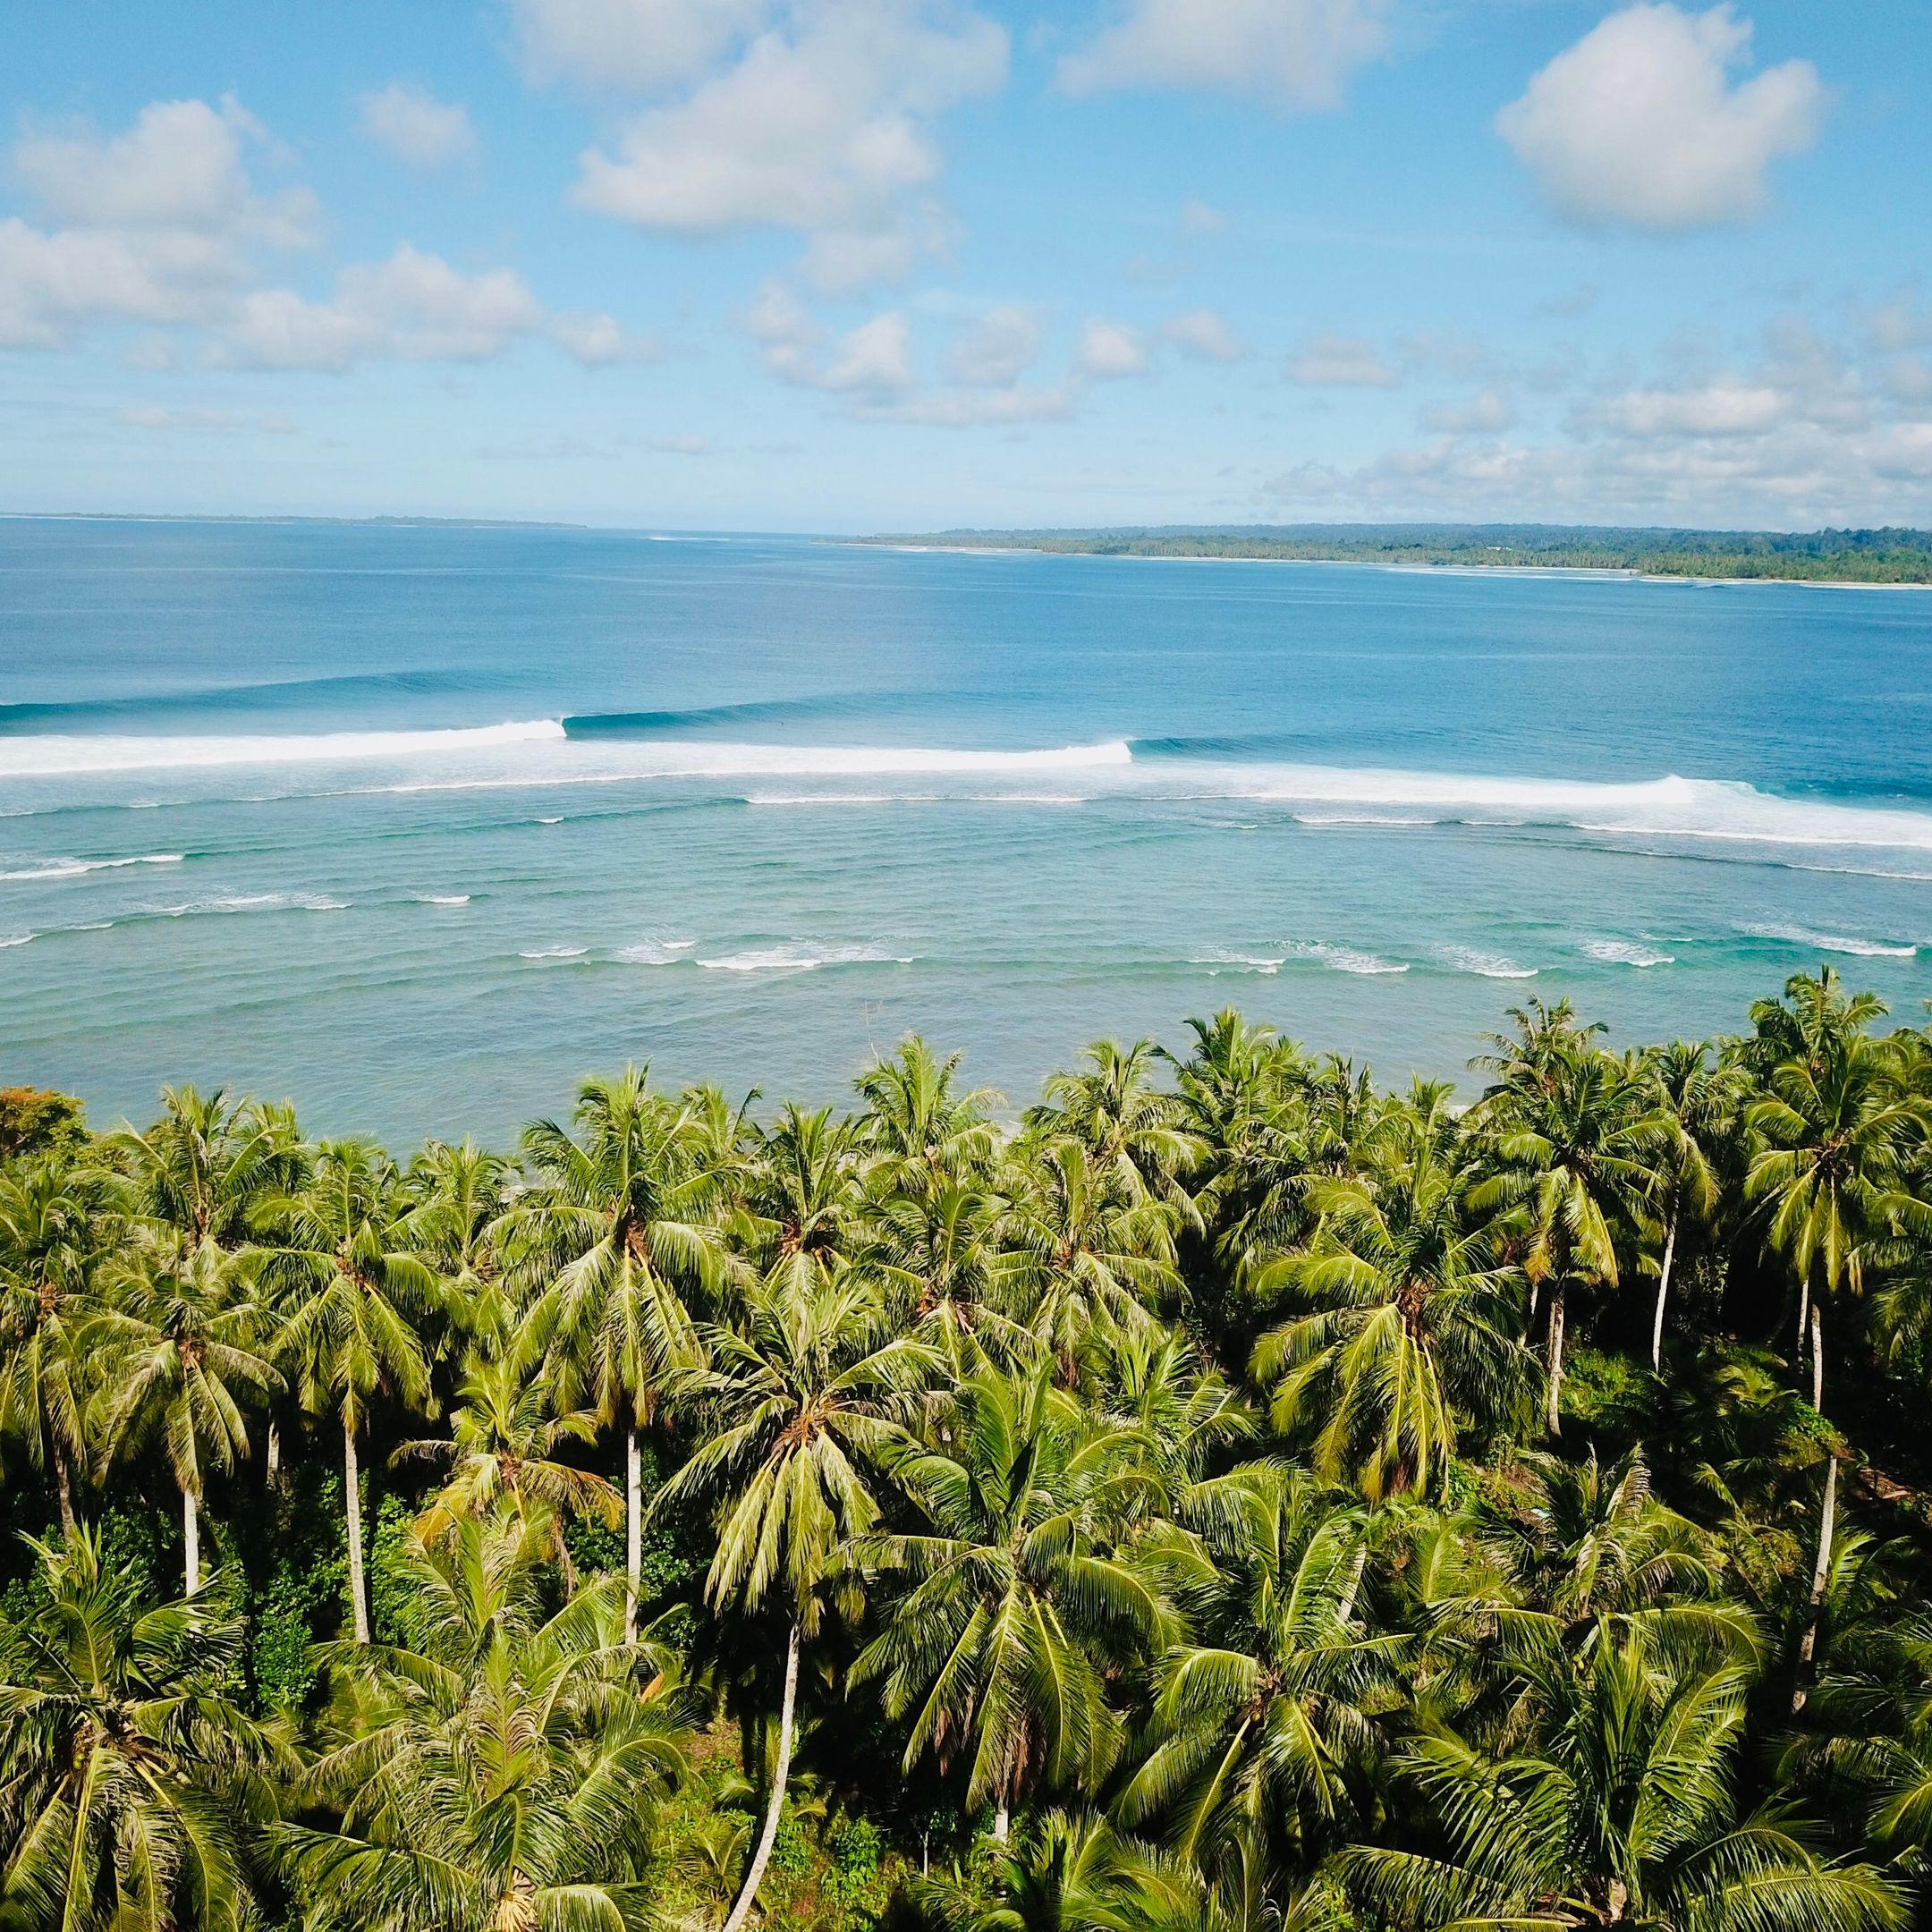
(1882, 556)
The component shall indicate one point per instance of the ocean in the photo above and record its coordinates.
(417, 825)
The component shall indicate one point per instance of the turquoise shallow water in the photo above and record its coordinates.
(416, 824)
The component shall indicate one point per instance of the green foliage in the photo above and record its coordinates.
(34, 1119)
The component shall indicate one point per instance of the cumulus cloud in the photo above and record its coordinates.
(1641, 123)
(1293, 53)
(1728, 405)
(1109, 351)
(412, 307)
(823, 123)
(415, 126)
(639, 45)
(1332, 361)
(997, 350)
(1204, 335)
(1485, 413)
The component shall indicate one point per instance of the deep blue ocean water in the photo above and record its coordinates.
(417, 825)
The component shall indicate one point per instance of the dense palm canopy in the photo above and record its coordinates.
(1134, 1513)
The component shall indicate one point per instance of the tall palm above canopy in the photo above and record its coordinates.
(1017, 1605)
(619, 1231)
(499, 1768)
(1697, 1102)
(807, 1199)
(184, 1348)
(939, 1251)
(456, 1195)
(1621, 1808)
(1263, 1734)
(51, 1237)
(131, 1775)
(804, 1397)
(1131, 1131)
(201, 1171)
(1576, 1141)
(1833, 1132)
(1093, 1256)
(1185, 1412)
(360, 1301)
(1405, 1322)
(917, 1127)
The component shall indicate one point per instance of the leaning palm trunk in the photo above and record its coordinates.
(780, 1773)
(352, 1495)
(1663, 1295)
(1553, 1410)
(64, 1490)
(190, 1540)
(633, 1532)
(1820, 1575)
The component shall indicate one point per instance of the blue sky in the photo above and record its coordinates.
(859, 264)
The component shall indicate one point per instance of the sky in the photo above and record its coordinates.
(863, 265)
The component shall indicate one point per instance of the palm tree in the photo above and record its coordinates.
(1695, 1101)
(130, 1778)
(498, 1770)
(458, 1195)
(939, 1250)
(1263, 1724)
(50, 1237)
(620, 1227)
(1574, 1140)
(1833, 1130)
(916, 1127)
(203, 1168)
(359, 1297)
(1620, 1809)
(1018, 1605)
(803, 1401)
(1129, 1130)
(1408, 1333)
(501, 1451)
(184, 1344)
(807, 1199)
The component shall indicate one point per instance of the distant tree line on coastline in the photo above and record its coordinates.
(1886, 555)
(1231, 1496)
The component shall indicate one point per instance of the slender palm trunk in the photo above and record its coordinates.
(352, 1497)
(1663, 1295)
(634, 1531)
(1804, 1315)
(1817, 1359)
(272, 1460)
(1002, 1824)
(64, 1490)
(1820, 1575)
(781, 1772)
(1553, 1360)
(190, 1540)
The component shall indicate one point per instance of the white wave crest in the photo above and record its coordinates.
(18, 939)
(1486, 965)
(272, 901)
(54, 757)
(1347, 959)
(442, 899)
(1220, 962)
(554, 953)
(1821, 942)
(64, 868)
(803, 956)
(1627, 953)
(654, 952)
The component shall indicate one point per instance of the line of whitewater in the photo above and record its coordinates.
(541, 752)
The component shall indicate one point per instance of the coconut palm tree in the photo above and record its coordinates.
(916, 1127)
(1131, 1131)
(939, 1254)
(803, 1399)
(498, 1770)
(201, 1170)
(184, 1346)
(1621, 1809)
(1407, 1320)
(1017, 1603)
(1262, 1733)
(1575, 1139)
(619, 1231)
(131, 1778)
(358, 1302)
(457, 1195)
(51, 1236)
(1696, 1101)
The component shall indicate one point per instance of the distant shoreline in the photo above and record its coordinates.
(1884, 559)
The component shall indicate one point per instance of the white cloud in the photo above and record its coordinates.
(875, 358)
(997, 350)
(1198, 217)
(1486, 413)
(168, 421)
(1204, 335)
(640, 45)
(1294, 53)
(1109, 351)
(1332, 361)
(825, 122)
(599, 341)
(1727, 406)
(679, 445)
(1638, 123)
(415, 126)
(412, 307)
